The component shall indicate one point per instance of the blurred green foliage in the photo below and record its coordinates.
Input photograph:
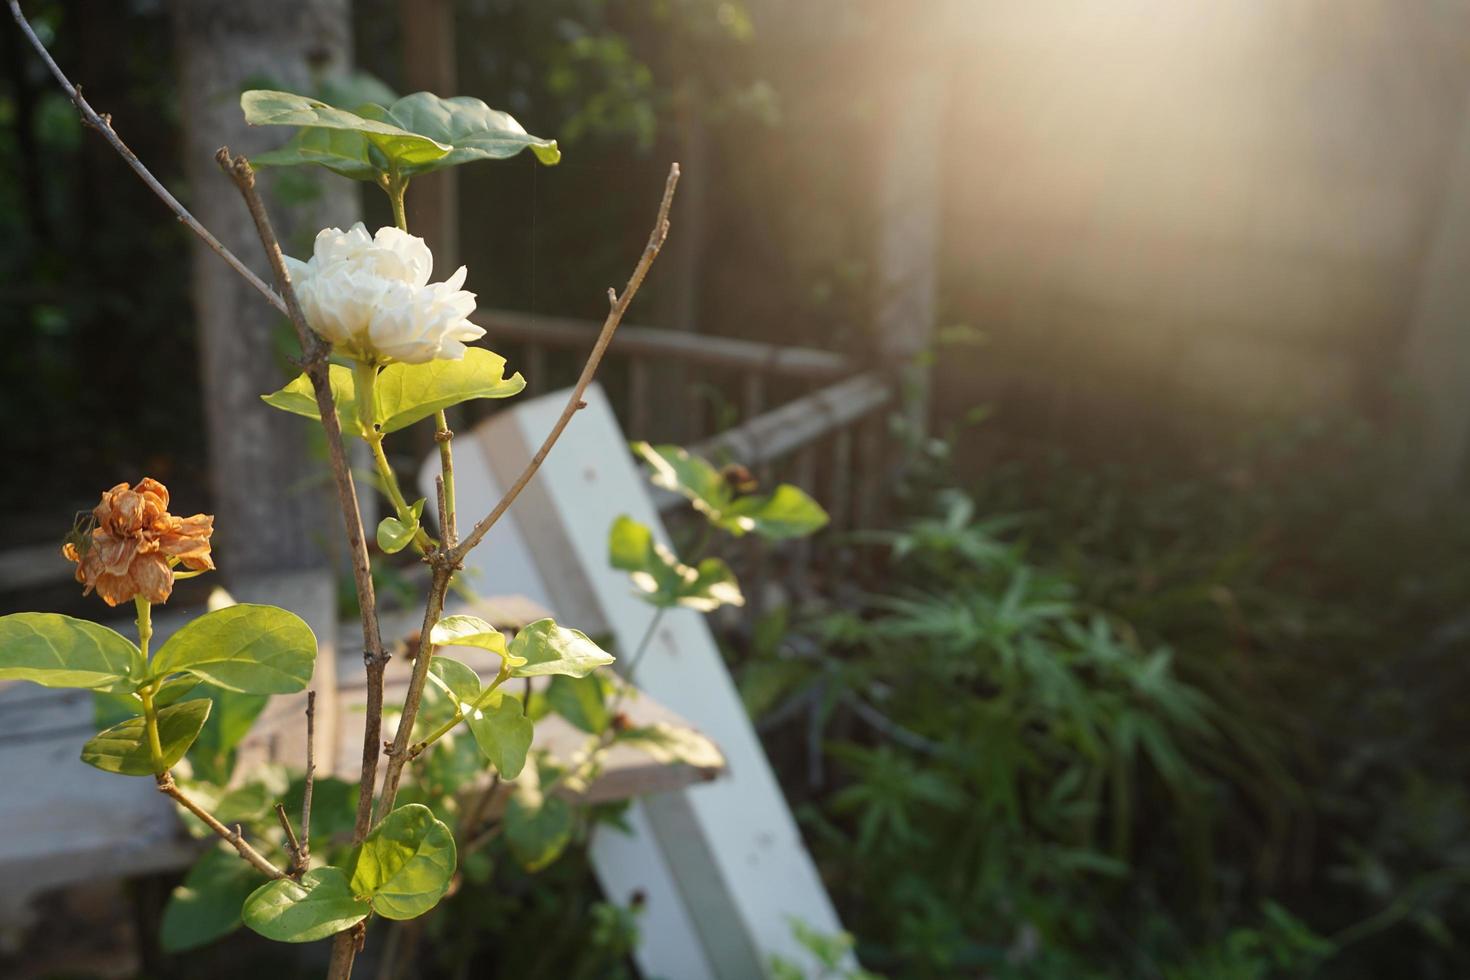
(1137, 718)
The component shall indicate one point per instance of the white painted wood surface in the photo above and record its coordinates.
(721, 867)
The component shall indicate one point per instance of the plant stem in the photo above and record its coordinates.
(167, 786)
(365, 379)
(396, 188)
(444, 437)
(144, 623)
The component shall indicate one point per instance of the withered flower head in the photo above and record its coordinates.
(136, 544)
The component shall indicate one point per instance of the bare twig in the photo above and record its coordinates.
(103, 124)
(168, 787)
(310, 779)
(293, 846)
(619, 306)
(315, 350)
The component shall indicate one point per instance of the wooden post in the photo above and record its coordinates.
(429, 65)
(1437, 349)
(271, 514)
(908, 233)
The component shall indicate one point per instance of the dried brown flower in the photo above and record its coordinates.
(136, 544)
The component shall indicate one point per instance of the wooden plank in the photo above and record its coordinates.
(800, 362)
(726, 855)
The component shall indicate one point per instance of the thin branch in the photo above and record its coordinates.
(315, 349)
(476, 813)
(310, 779)
(293, 846)
(398, 754)
(619, 306)
(103, 124)
(168, 787)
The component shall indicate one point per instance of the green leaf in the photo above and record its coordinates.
(394, 535)
(416, 134)
(581, 701)
(662, 579)
(405, 864)
(472, 128)
(497, 720)
(468, 631)
(321, 904)
(248, 648)
(402, 148)
(124, 748)
(537, 827)
(207, 904)
(503, 733)
(299, 398)
(788, 512)
(58, 651)
(229, 721)
(459, 680)
(546, 648)
(674, 743)
(405, 393)
(340, 151)
(676, 469)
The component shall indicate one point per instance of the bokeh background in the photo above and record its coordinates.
(1152, 661)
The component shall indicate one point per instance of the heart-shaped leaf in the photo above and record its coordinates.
(299, 398)
(207, 904)
(787, 512)
(321, 904)
(248, 648)
(546, 648)
(662, 579)
(58, 651)
(416, 134)
(458, 680)
(496, 720)
(405, 863)
(503, 732)
(468, 631)
(581, 701)
(394, 535)
(124, 749)
(405, 393)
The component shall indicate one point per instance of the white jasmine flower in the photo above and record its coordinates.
(370, 296)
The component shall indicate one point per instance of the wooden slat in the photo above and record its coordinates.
(800, 362)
